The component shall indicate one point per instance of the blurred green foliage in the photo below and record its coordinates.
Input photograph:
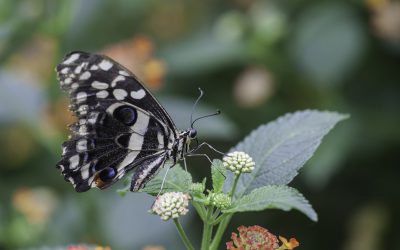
(255, 60)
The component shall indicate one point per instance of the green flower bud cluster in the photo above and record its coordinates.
(238, 162)
(171, 205)
(220, 200)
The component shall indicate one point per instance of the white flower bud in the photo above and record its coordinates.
(171, 205)
(238, 162)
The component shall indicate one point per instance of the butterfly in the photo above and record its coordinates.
(121, 126)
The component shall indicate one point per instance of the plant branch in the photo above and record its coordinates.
(207, 230)
(183, 235)
(200, 210)
(224, 221)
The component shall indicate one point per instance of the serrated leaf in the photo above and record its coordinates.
(177, 180)
(280, 148)
(218, 175)
(268, 197)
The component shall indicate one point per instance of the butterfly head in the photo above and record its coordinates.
(192, 133)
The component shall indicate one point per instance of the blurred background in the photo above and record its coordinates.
(256, 60)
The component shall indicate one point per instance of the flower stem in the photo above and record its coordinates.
(207, 230)
(235, 182)
(225, 220)
(220, 218)
(220, 232)
(200, 210)
(183, 235)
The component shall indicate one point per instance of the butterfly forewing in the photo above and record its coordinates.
(120, 124)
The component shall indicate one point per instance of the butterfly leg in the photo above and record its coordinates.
(163, 181)
(184, 163)
(209, 146)
(208, 158)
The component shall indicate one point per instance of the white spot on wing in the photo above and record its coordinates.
(82, 130)
(64, 150)
(73, 162)
(120, 94)
(78, 69)
(81, 97)
(85, 75)
(93, 117)
(117, 79)
(124, 73)
(71, 58)
(68, 81)
(61, 167)
(83, 109)
(105, 65)
(99, 85)
(94, 67)
(138, 94)
(64, 70)
(102, 94)
(70, 179)
(85, 174)
(74, 85)
(81, 145)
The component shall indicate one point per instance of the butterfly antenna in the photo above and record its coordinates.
(194, 107)
(218, 112)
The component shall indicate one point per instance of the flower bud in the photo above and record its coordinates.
(221, 200)
(238, 162)
(171, 205)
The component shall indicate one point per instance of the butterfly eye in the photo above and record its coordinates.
(192, 133)
(125, 114)
(107, 174)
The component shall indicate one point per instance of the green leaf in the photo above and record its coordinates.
(280, 148)
(280, 197)
(218, 175)
(177, 180)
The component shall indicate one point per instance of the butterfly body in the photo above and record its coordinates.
(121, 126)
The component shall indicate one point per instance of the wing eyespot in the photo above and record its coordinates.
(126, 115)
(104, 177)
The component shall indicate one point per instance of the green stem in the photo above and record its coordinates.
(225, 221)
(219, 219)
(207, 230)
(200, 210)
(220, 232)
(183, 235)
(215, 214)
(235, 182)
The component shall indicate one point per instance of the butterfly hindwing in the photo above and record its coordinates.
(120, 124)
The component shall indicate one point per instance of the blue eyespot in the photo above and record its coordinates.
(126, 115)
(107, 174)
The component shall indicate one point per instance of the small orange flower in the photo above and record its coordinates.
(291, 244)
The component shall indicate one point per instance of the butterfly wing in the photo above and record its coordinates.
(120, 124)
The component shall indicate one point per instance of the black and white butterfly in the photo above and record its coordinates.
(120, 127)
